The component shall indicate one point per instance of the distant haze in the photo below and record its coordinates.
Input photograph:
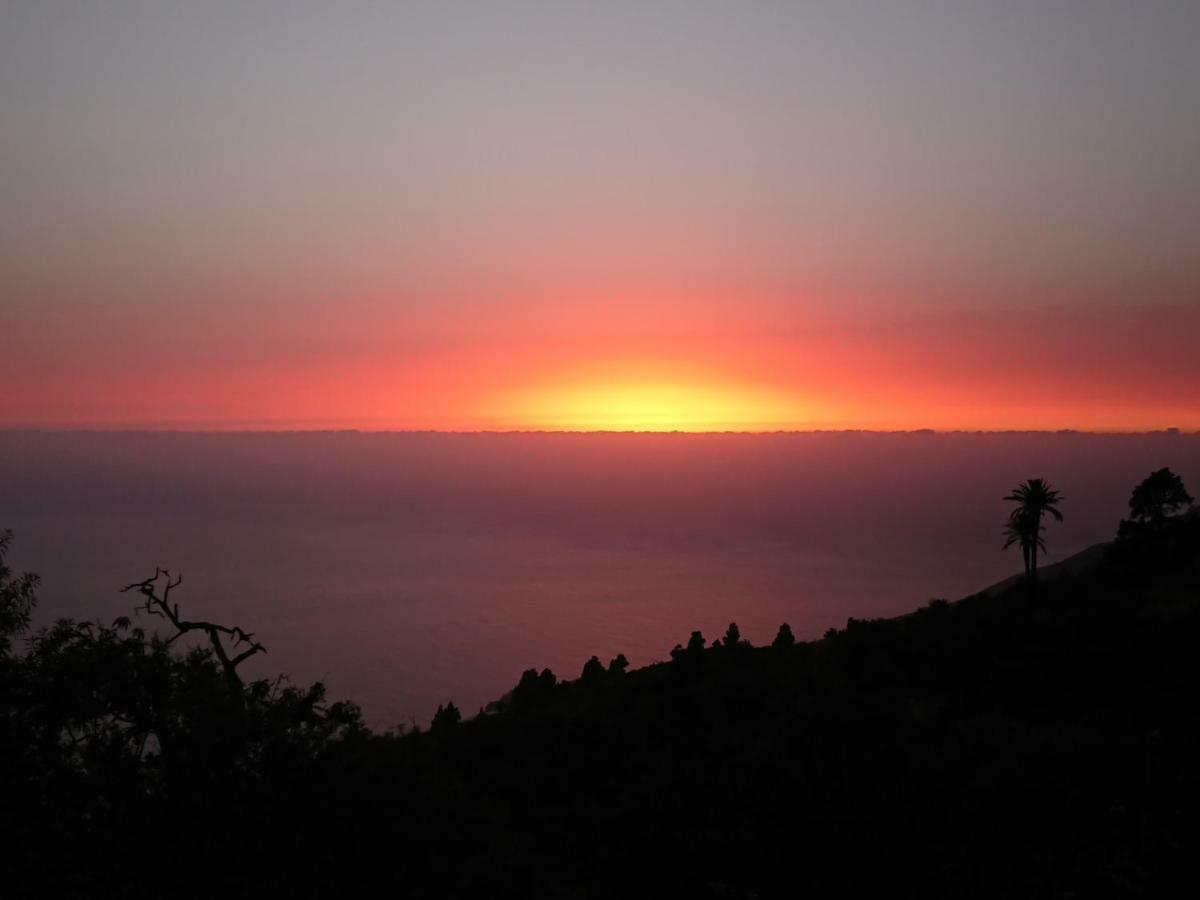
(658, 215)
(411, 569)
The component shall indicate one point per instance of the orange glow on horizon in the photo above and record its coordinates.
(653, 406)
(672, 361)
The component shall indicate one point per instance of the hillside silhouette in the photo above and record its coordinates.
(1038, 739)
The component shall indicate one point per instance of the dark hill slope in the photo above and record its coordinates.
(1012, 745)
(1074, 565)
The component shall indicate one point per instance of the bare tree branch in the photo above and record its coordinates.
(157, 605)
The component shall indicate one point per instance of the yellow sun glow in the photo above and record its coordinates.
(652, 407)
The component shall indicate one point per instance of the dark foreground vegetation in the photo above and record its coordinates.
(1041, 742)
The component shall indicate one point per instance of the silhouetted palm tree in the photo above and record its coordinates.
(1019, 530)
(1035, 498)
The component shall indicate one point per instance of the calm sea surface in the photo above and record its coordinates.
(410, 569)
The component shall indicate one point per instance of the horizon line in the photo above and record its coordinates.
(191, 430)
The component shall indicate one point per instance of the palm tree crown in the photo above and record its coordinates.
(1037, 497)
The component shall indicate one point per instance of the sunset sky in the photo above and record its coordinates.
(606, 215)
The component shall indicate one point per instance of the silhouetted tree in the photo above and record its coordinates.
(16, 598)
(784, 637)
(733, 638)
(694, 649)
(1020, 530)
(593, 671)
(1159, 497)
(104, 707)
(1034, 498)
(527, 689)
(618, 664)
(446, 717)
(533, 686)
(162, 607)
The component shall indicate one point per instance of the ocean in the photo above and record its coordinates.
(410, 569)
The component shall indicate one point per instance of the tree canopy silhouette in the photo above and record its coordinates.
(93, 708)
(733, 637)
(593, 671)
(1158, 497)
(16, 598)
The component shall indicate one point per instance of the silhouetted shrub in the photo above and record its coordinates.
(784, 637)
(618, 664)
